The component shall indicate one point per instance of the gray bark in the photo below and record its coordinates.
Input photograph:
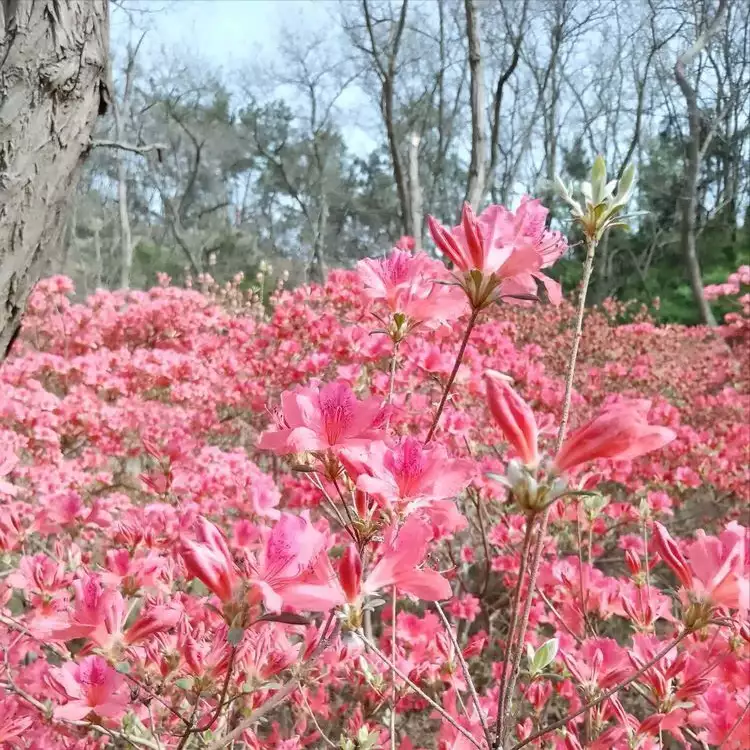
(478, 166)
(689, 197)
(53, 84)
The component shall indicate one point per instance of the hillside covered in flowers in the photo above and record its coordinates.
(211, 511)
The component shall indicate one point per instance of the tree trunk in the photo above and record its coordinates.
(415, 191)
(478, 166)
(53, 79)
(317, 268)
(689, 197)
(126, 240)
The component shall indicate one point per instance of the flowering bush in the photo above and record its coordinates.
(220, 527)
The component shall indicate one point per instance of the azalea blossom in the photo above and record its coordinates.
(292, 568)
(408, 284)
(316, 418)
(404, 552)
(507, 250)
(89, 686)
(713, 569)
(619, 432)
(408, 475)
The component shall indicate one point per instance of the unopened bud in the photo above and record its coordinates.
(633, 562)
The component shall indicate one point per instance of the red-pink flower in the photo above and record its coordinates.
(208, 559)
(293, 569)
(405, 551)
(407, 284)
(620, 432)
(409, 475)
(514, 417)
(714, 568)
(508, 249)
(91, 686)
(316, 418)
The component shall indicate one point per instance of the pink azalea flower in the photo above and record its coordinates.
(619, 432)
(208, 559)
(15, 722)
(508, 249)
(410, 475)
(8, 461)
(293, 570)
(407, 284)
(478, 244)
(405, 551)
(91, 686)
(316, 418)
(714, 568)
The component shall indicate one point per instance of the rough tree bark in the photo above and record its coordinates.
(478, 166)
(688, 199)
(53, 84)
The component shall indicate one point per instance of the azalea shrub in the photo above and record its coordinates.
(416, 507)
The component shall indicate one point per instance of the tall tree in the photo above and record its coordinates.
(693, 156)
(54, 83)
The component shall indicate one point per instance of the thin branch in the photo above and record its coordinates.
(417, 690)
(144, 149)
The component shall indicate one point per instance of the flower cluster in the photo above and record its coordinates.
(359, 518)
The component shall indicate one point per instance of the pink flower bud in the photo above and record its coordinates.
(473, 236)
(621, 432)
(210, 561)
(350, 573)
(155, 620)
(695, 686)
(514, 417)
(651, 725)
(633, 562)
(669, 552)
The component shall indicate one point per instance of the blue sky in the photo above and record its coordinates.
(230, 33)
(224, 32)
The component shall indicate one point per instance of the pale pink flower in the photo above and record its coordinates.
(293, 569)
(317, 418)
(91, 686)
(620, 432)
(405, 550)
(15, 722)
(714, 569)
(409, 475)
(8, 462)
(208, 558)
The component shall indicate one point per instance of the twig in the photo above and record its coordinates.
(454, 372)
(417, 690)
(465, 669)
(283, 693)
(588, 267)
(604, 696)
(393, 673)
(515, 609)
(144, 149)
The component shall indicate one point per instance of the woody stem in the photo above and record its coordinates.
(515, 611)
(604, 696)
(454, 372)
(536, 556)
